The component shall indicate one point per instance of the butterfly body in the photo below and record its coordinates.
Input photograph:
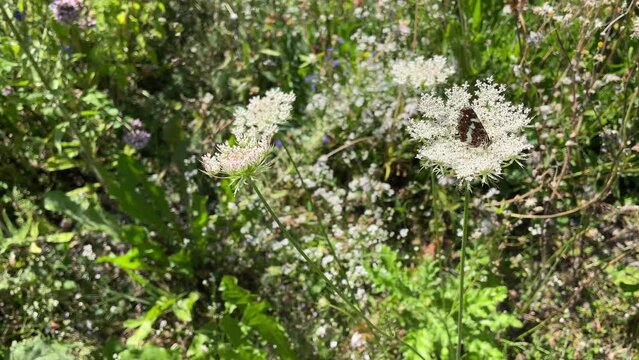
(470, 130)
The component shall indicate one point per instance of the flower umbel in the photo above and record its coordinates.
(236, 160)
(262, 115)
(66, 11)
(442, 146)
(421, 73)
(253, 129)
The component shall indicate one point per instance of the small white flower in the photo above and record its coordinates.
(87, 252)
(442, 146)
(357, 340)
(262, 115)
(421, 73)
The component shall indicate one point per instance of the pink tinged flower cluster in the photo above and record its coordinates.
(66, 11)
(236, 159)
(253, 129)
(441, 147)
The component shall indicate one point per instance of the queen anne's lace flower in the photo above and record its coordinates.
(253, 128)
(238, 159)
(442, 146)
(262, 115)
(421, 73)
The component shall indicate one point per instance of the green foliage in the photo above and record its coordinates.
(109, 250)
(422, 300)
(40, 348)
(253, 319)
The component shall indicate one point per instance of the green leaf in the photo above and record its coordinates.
(148, 352)
(58, 163)
(138, 238)
(270, 52)
(91, 218)
(62, 237)
(144, 324)
(17, 236)
(270, 330)
(37, 348)
(198, 349)
(183, 308)
(232, 293)
(231, 328)
(142, 200)
(129, 261)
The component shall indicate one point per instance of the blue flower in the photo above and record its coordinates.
(18, 15)
(335, 63)
(329, 52)
(137, 138)
(278, 144)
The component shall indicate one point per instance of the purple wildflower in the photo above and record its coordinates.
(137, 124)
(7, 90)
(66, 11)
(278, 144)
(329, 53)
(326, 139)
(137, 138)
(18, 15)
(340, 40)
(335, 63)
(310, 78)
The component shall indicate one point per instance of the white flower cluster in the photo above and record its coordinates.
(442, 147)
(236, 159)
(253, 128)
(635, 28)
(420, 72)
(262, 115)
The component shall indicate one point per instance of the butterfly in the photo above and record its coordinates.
(470, 130)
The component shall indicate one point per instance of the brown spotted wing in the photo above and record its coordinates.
(470, 130)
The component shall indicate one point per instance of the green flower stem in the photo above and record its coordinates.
(460, 314)
(322, 226)
(86, 152)
(315, 267)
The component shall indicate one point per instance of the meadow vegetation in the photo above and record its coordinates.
(412, 179)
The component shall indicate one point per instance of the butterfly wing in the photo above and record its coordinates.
(470, 130)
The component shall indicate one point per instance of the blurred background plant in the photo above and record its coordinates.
(112, 241)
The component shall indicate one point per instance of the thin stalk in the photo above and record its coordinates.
(322, 226)
(318, 270)
(462, 265)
